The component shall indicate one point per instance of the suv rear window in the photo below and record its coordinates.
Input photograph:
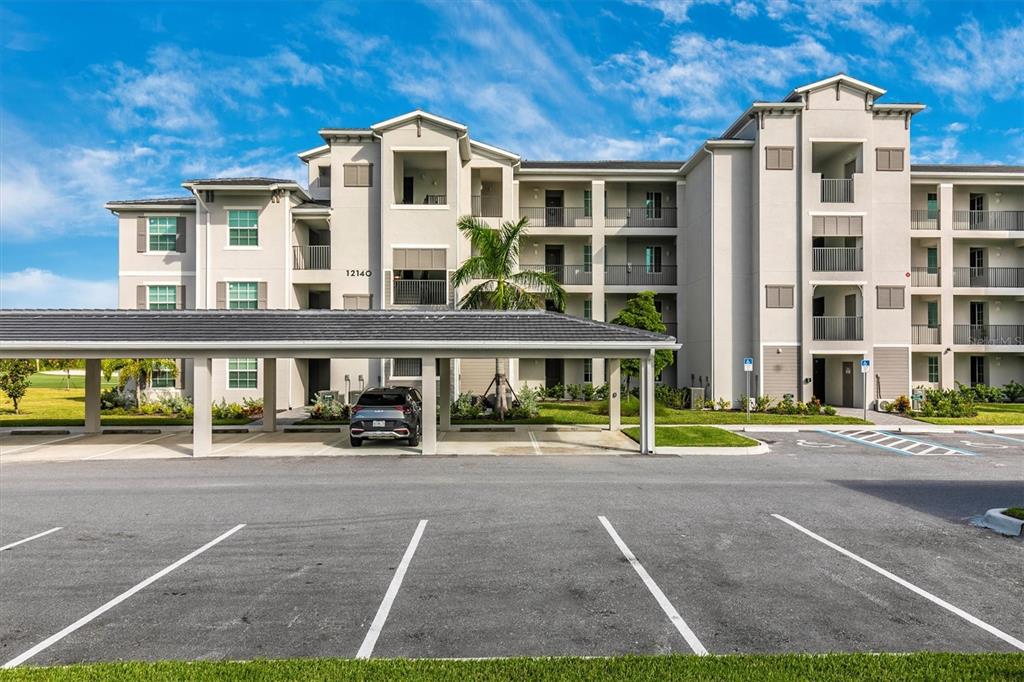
(382, 399)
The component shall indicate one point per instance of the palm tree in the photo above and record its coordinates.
(504, 286)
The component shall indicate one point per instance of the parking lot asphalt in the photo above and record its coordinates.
(770, 553)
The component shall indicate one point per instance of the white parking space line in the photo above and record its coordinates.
(128, 446)
(31, 538)
(84, 620)
(366, 649)
(1000, 435)
(666, 605)
(241, 442)
(1009, 639)
(534, 443)
(328, 446)
(9, 451)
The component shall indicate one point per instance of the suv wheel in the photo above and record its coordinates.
(414, 439)
(355, 442)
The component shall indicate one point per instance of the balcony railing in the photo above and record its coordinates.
(924, 219)
(989, 334)
(988, 277)
(640, 216)
(557, 216)
(640, 275)
(834, 328)
(988, 220)
(925, 277)
(486, 206)
(420, 292)
(564, 274)
(838, 258)
(836, 190)
(922, 333)
(435, 199)
(311, 257)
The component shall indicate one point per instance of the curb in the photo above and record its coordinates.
(996, 520)
(718, 451)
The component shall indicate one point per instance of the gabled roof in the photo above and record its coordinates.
(419, 114)
(602, 165)
(498, 151)
(155, 202)
(314, 152)
(841, 78)
(238, 181)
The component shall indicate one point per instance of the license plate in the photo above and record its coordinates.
(379, 422)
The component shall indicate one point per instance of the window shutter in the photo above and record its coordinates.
(366, 175)
(262, 300)
(388, 285)
(896, 297)
(786, 158)
(896, 159)
(351, 178)
(772, 297)
(771, 158)
(141, 225)
(179, 297)
(141, 303)
(785, 297)
(180, 244)
(883, 298)
(222, 295)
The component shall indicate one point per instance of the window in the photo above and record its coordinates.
(889, 159)
(977, 369)
(890, 298)
(357, 301)
(652, 259)
(778, 296)
(163, 377)
(243, 227)
(163, 297)
(933, 314)
(778, 158)
(243, 295)
(588, 258)
(406, 367)
(933, 369)
(163, 233)
(242, 373)
(652, 204)
(933, 205)
(588, 203)
(588, 371)
(606, 203)
(358, 174)
(588, 309)
(324, 176)
(933, 260)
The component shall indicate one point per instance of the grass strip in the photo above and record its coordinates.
(693, 437)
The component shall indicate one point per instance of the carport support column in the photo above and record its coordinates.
(92, 396)
(429, 417)
(270, 394)
(202, 398)
(446, 394)
(614, 398)
(647, 404)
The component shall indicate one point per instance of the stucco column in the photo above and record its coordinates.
(446, 394)
(946, 320)
(93, 370)
(429, 416)
(202, 398)
(614, 397)
(270, 394)
(597, 246)
(647, 405)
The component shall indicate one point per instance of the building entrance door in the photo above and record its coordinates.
(818, 374)
(847, 384)
(554, 208)
(318, 377)
(554, 372)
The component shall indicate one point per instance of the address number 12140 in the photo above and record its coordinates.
(358, 273)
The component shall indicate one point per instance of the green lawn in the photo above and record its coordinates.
(989, 414)
(1015, 513)
(692, 437)
(916, 667)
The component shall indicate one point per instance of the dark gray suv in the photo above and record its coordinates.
(387, 414)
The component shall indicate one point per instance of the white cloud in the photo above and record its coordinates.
(34, 288)
(956, 127)
(676, 11)
(744, 9)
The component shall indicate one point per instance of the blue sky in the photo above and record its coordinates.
(108, 101)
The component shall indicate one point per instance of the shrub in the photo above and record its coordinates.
(670, 396)
(327, 408)
(724, 404)
(528, 405)
(601, 392)
(116, 398)
(828, 410)
(589, 391)
(954, 402)
(1013, 392)
(900, 405)
(575, 391)
(981, 393)
(813, 407)
(556, 392)
(467, 406)
(763, 403)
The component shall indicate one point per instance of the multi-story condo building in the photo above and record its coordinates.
(802, 237)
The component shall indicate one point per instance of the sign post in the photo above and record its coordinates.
(748, 368)
(865, 367)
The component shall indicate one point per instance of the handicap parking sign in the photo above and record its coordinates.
(748, 364)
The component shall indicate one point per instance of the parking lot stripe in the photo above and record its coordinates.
(9, 451)
(999, 435)
(125, 447)
(31, 538)
(328, 446)
(241, 442)
(1009, 639)
(84, 620)
(534, 443)
(666, 605)
(366, 649)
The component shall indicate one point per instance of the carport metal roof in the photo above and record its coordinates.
(313, 333)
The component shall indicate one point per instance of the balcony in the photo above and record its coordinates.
(838, 258)
(316, 257)
(639, 275)
(837, 190)
(924, 334)
(640, 216)
(572, 275)
(557, 216)
(989, 334)
(988, 277)
(988, 220)
(484, 206)
(923, 219)
(838, 328)
(432, 292)
(925, 277)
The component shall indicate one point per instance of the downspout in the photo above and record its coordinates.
(204, 304)
(711, 260)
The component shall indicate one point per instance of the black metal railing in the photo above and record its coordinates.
(838, 328)
(564, 274)
(640, 216)
(923, 219)
(925, 277)
(420, 292)
(311, 257)
(435, 199)
(988, 220)
(989, 334)
(641, 275)
(923, 333)
(557, 216)
(837, 258)
(988, 277)
(486, 206)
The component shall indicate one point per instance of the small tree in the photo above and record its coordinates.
(138, 370)
(14, 375)
(640, 313)
(64, 366)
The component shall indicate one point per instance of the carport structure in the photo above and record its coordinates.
(270, 334)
